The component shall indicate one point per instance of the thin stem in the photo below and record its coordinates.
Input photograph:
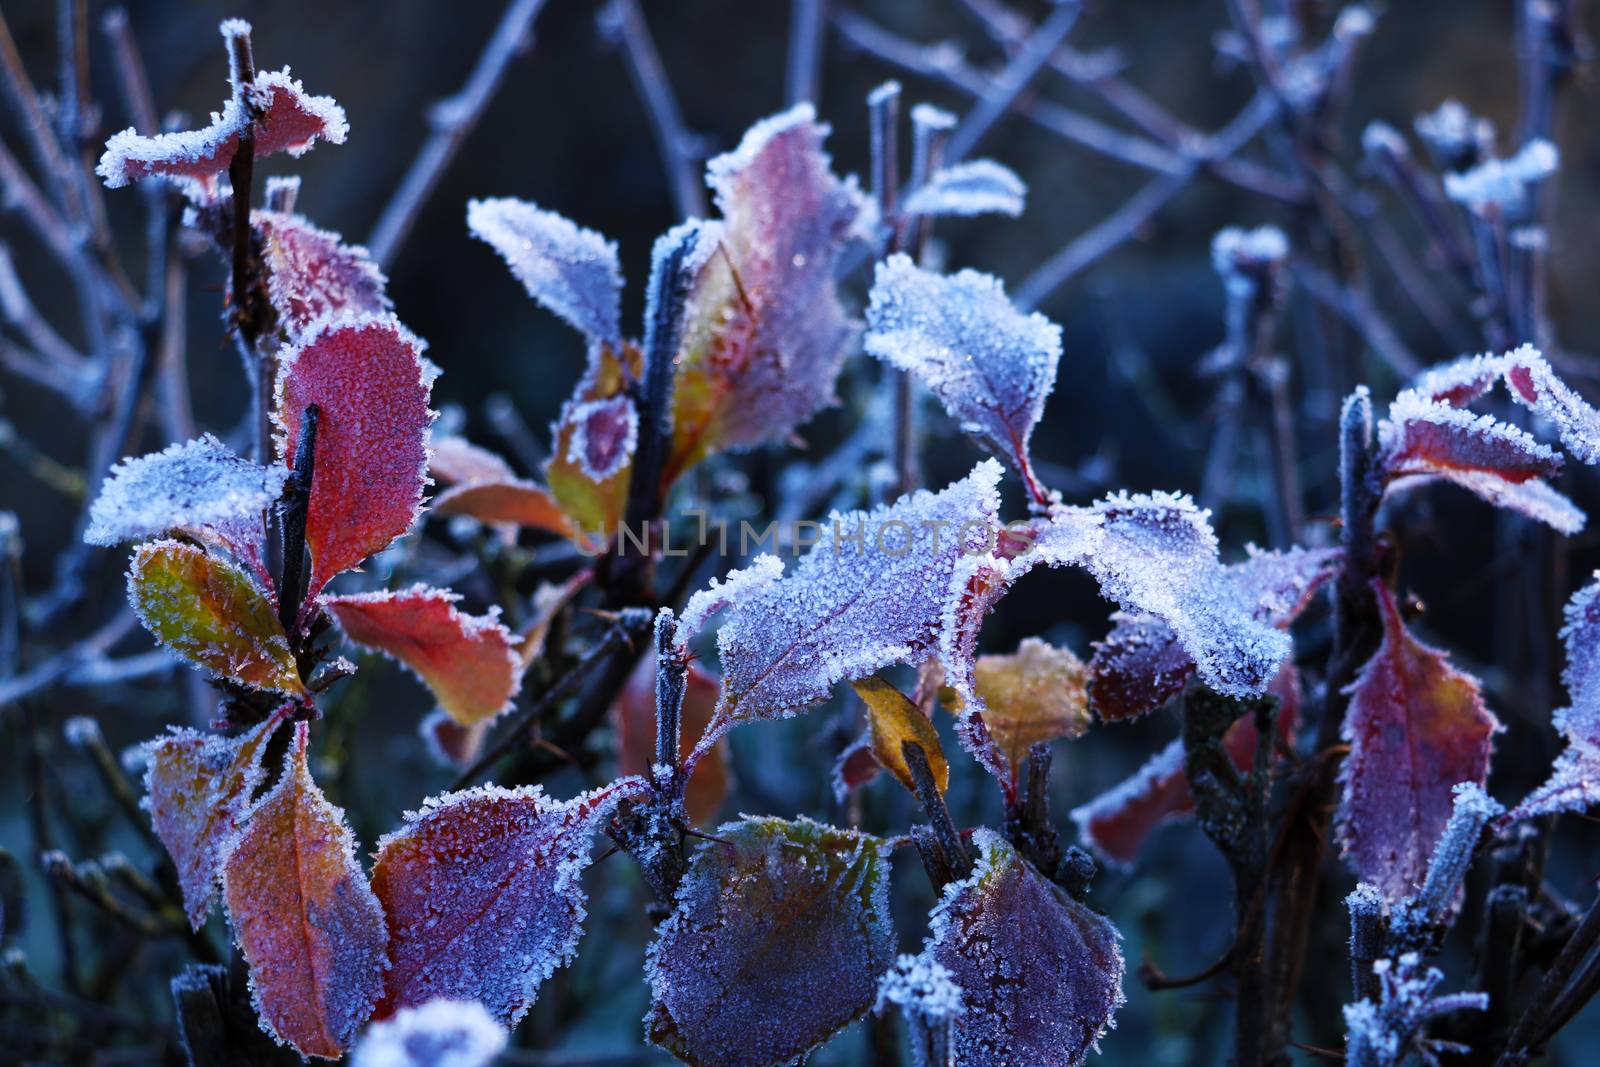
(804, 70)
(292, 523)
(1009, 84)
(452, 121)
(944, 830)
(1530, 1026)
(624, 22)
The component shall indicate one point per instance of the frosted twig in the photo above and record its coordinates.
(452, 120)
(131, 79)
(1011, 81)
(804, 69)
(14, 690)
(624, 23)
(1356, 308)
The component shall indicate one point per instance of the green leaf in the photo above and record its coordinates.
(208, 611)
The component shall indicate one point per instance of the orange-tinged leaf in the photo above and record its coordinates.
(198, 787)
(457, 461)
(892, 720)
(594, 505)
(548, 601)
(208, 611)
(1416, 727)
(1036, 693)
(367, 378)
(634, 715)
(469, 662)
(511, 500)
(482, 896)
(308, 924)
(764, 333)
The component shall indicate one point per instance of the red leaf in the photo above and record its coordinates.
(481, 890)
(1422, 437)
(1040, 974)
(634, 715)
(1461, 382)
(367, 378)
(468, 661)
(1416, 727)
(312, 273)
(198, 787)
(1117, 822)
(765, 333)
(1535, 385)
(780, 932)
(1137, 668)
(309, 926)
(287, 119)
(510, 501)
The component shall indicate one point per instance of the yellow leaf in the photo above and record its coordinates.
(1037, 693)
(893, 720)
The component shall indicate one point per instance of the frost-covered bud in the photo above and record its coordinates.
(1380, 140)
(81, 731)
(1457, 138)
(1385, 1031)
(1503, 184)
(1249, 260)
(440, 1033)
(1418, 918)
(920, 986)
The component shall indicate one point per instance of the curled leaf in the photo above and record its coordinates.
(892, 721)
(308, 925)
(367, 379)
(1040, 974)
(570, 270)
(207, 611)
(1416, 728)
(312, 273)
(508, 501)
(1535, 385)
(974, 187)
(776, 942)
(990, 365)
(764, 333)
(198, 788)
(481, 891)
(286, 119)
(469, 662)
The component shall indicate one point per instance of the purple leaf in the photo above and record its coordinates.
(990, 365)
(776, 942)
(1040, 974)
(312, 273)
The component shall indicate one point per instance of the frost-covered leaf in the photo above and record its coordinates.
(197, 790)
(457, 461)
(764, 333)
(470, 662)
(448, 742)
(1156, 555)
(1040, 974)
(1574, 784)
(634, 715)
(440, 1033)
(1462, 381)
(892, 720)
(367, 378)
(305, 919)
(1036, 693)
(779, 934)
(312, 273)
(904, 583)
(990, 365)
(200, 488)
(481, 891)
(1140, 664)
(1136, 668)
(1416, 726)
(511, 501)
(595, 507)
(208, 612)
(286, 117)
(1533, 383)
(604, 435)
(570, 270)
(1117, 822)
(1504, 465)
(975, 187)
